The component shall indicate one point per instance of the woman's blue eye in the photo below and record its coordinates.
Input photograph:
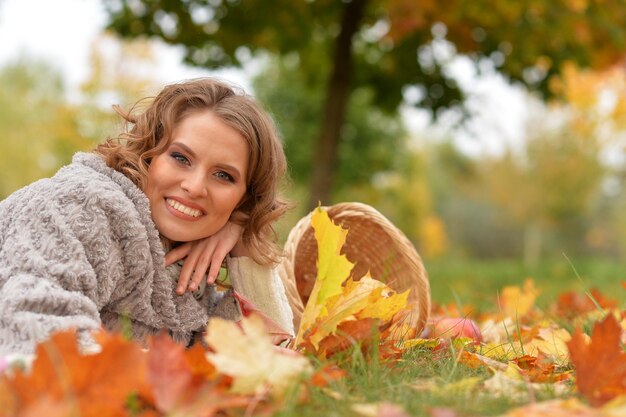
(180, 158)
(225, 176)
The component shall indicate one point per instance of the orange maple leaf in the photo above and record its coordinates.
(170, 376)
(64, 382)
(571, 303)
(601, 363)
(184, 382)
(348, 333)
(539, 369)
(327, 374)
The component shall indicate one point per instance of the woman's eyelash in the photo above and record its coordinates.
(180, 157)
(226, 176)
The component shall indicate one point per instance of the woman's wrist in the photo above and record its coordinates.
(240, 249)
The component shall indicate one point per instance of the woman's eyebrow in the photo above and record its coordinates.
(185, 148)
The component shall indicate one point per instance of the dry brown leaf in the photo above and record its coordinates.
(64, 382)
(601, 363)
(539, 369)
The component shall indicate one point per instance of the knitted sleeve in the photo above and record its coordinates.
(48, 283)
(61, 261)
(263, 287)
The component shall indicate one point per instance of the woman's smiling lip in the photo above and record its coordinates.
(183, 209)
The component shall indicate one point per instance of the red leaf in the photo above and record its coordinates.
(600, 364)
(571, 303)
(173, 383)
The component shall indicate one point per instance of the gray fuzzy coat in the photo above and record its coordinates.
(80, 250)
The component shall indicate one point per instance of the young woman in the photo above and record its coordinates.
(196, 175)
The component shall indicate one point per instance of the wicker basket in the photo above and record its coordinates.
(373, 243)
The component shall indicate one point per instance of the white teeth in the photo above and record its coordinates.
(183, 209)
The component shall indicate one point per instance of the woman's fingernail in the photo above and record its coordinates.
(180, 290)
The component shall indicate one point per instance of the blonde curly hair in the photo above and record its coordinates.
(148, 133)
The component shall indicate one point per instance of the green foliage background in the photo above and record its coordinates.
(547, 198)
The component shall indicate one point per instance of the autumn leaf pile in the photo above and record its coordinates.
(574, 350)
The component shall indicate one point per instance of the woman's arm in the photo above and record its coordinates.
(33, 307)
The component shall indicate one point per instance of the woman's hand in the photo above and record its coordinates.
(202, 255)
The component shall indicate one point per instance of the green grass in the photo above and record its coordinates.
(453, 281)
(403, 384)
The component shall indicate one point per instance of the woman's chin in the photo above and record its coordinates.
(185, 235)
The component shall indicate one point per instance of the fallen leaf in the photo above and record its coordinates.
(384, 409)
(183, 380)
(349, 333)
(571, 304)
(474, 360)
(551, 341)
(571, 407)
(245, 352)
(539, 369)
(327, 374)
(601, 363)
(359, 300)
(62, 381)
(332, 268)
(516, 302)
(513, 385)
(338, 304)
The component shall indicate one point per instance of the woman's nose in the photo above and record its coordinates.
(195, 184)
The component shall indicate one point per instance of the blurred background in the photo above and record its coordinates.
(491, 132)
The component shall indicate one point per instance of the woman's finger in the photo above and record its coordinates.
(187, 270)
(177, 253)
(216, 264)
(205, 254)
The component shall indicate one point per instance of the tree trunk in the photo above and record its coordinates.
(325, 157)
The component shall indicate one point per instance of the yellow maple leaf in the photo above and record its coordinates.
(366, 298)
(332, 268)
(332, 302)
(552, 342)
(384, 304)
(515, 301)
(245, 352)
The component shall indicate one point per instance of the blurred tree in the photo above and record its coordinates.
(383, 44)
(596, 102)
(405, 195)
(370, 138)
(121, 71)
(38, 129)
(551, 183)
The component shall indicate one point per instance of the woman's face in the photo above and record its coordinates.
(195, 185)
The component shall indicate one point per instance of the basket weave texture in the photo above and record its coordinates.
(373, 244)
